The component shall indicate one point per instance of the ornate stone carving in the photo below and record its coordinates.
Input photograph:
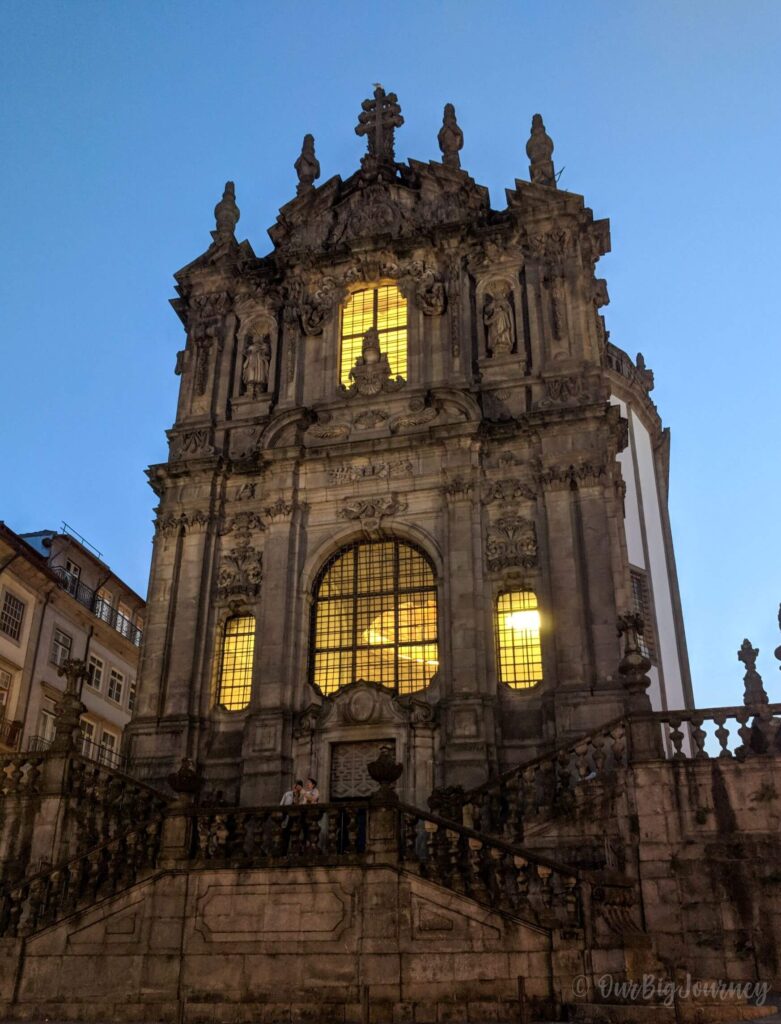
(507, 491)
(372, 374)
(372, 266)
(511, 541)
(194, 443)
(243, 523)
(418, 414)
(240, 572)
(498, 322)
(458, 487)
(311, 311)
(539, 150)
(569, 390)
(326, 427)
(429, 290)
(255, 368)
(350, 472)
(556, 477)
(371, 212)
(307, 166)
(196, 522)
(450, 138)
(370, 419)
(378, 121)
(245, 491)
(645, 376)
(280, 510)
(371, 511)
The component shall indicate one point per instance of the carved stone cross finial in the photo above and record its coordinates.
(539, 150)
(450, 138)
(753, 690)
(378, 120)
(307, 166)
(227, 214)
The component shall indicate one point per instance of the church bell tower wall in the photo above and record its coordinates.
(393, 511)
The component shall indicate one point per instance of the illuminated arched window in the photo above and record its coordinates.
(518, 650)
(385, 308)
(375, 618)
(234, 677)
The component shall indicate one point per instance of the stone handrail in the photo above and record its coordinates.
(497, 874)
(104, 801)
(277, 835)
(546, 784)
(49, 896)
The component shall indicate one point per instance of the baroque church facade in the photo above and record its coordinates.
(411, 485)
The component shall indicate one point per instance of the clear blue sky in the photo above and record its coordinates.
(121, 121)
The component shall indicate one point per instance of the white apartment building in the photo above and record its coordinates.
(58, 600)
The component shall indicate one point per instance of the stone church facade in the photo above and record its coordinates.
(412, 541)
(409, 382)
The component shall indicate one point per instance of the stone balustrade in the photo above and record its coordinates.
(279, 836)
(490, 871)
(51, 895)
(547, 784)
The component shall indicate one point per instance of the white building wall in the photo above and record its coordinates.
(646, 550)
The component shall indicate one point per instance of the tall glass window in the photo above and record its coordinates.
(385, 308)
(375, 618)
(234, 683)
(518, 648)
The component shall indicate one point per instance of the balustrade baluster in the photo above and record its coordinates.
(514, 825)
(296, 841)
(457, 864)
(698, 736)
(567, 897)
(529, 780)
(722, 734)
(676, 737)
(15, 911)
(353, 829)
(476, 885)
(742, 716)
(238, 838)
(312, 830)
(582, 765)
(544, 874)
(599, 752)
(280, 827)
(618, 744)
(495, 886)
(521, 866)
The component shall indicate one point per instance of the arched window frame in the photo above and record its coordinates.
(434, 588)
(538, 662)
(218, 682)
(399, 365)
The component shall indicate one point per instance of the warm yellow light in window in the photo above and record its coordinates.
(385, 308)
(375, 618)
(235, 676)
(522, 620)
(518, 648)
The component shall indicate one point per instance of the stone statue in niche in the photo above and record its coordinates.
(498, 321)
(257, 361)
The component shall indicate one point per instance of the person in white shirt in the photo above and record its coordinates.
(293, 796)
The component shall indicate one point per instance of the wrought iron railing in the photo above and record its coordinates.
(87, 748)
(99, 608)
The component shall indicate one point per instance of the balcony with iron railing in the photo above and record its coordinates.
(87, 748)
(97, 605)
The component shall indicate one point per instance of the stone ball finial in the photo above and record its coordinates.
(450, 138)
(227, 213)
(539, 150)
(307, 166)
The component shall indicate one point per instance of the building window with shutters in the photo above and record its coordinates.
(641, 601)
(61, 647)
(115, 683)
(11, 615)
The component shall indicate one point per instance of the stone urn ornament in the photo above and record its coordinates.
(385, 771)
(187, 781)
